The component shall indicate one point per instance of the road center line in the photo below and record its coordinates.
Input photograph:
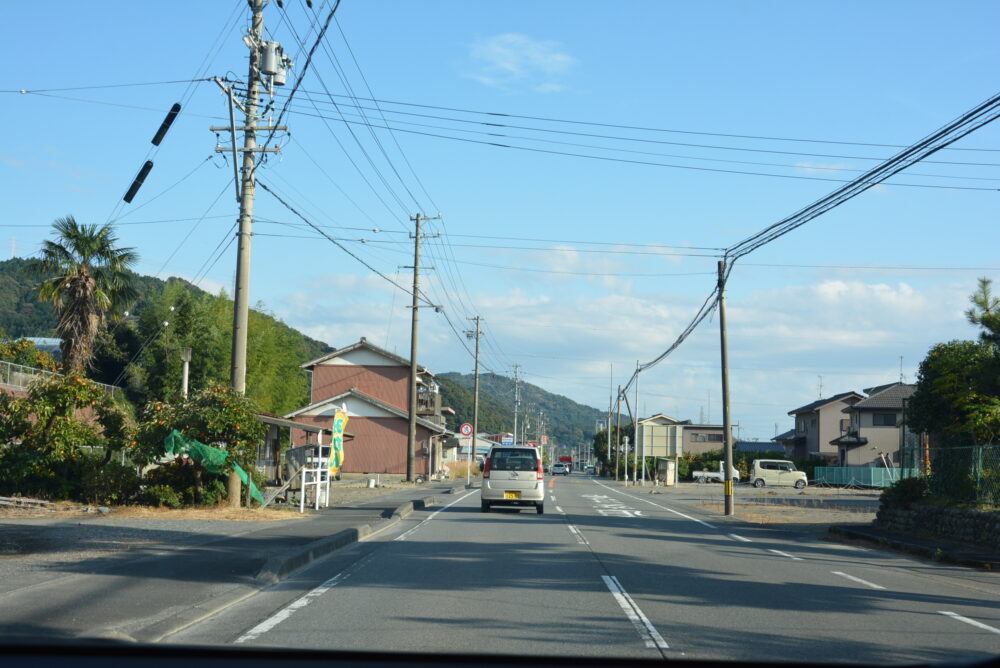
(406, 534)
(955, 615)
(785, 554)
(579, 536)
(859, 580)
(560, 510)
(647, 632)
(669, 510)
(741, 538)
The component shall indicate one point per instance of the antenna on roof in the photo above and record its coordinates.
(820, 386)
(901, 377)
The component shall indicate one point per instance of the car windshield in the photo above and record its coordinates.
(436, 327)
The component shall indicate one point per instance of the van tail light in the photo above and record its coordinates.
(540, 474)
(486, 470)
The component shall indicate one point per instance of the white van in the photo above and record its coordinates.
(777, 473)
(513, 476)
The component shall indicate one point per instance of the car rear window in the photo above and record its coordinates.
(508, 459)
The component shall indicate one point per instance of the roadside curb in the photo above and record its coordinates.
(272, 572)
(936, 551)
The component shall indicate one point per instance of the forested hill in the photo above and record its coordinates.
(143, 355)
(567, 422)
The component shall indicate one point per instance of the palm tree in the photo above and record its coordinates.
(87, 278)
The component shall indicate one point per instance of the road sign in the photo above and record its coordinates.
(507, 440)
(465, 429)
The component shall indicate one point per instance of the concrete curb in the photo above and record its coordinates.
(918, 548)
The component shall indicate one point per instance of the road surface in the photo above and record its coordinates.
(612, 572)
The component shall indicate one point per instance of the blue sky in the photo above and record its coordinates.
(577, 265)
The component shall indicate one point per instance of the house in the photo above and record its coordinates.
(372, 385)
(818, 423)
(664, 436)
(875, 429)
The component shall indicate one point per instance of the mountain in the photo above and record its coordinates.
(565, 421)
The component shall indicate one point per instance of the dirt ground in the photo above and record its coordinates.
(342, 493)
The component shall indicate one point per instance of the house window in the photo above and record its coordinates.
(800, 425)
(884, 419)
(715, 438)
(698, 438)
(845, 424)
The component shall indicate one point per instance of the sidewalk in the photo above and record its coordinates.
(931, 548)
(180, 575)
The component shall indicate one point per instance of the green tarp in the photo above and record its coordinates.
(213, 460)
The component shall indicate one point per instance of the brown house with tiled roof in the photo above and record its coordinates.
(372, 385)
(819, 422)
(875, 428)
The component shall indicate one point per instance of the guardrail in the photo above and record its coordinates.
(17, 375)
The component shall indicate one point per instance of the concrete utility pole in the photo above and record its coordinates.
(517, 398)
(186, 359)
(241, 292)
(618, 430)
(475, 403)
(411, 441)
(635, 429)
(727, 435)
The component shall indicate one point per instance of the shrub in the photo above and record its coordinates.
(161, 496)
(110, 483)
(904, 492)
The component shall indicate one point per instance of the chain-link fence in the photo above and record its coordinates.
(966, 474)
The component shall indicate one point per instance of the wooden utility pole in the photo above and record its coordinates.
(475, 404)
(411, 442)
(727, 435)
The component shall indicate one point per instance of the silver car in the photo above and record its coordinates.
(513, 476)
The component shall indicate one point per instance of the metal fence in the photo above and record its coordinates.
(861, 476)
(17, 375)
(966, 474)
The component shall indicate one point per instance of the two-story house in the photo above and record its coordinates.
(664, 436)
(875, 427)
(372, 385)
(818, 423)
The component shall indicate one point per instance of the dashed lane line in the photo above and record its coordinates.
(740, 538)
(858, 580)
(408, 533)
(785, 554)
(955, 615)
(669, 510)
(647, 632)
(579, 536)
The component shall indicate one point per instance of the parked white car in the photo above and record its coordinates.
(776, 473)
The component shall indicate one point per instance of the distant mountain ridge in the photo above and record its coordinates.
(565, 421)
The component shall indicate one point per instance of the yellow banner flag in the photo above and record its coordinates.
(337, 444)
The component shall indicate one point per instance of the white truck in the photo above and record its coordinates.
(714, 476)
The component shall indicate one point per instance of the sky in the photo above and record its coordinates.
(653, 135)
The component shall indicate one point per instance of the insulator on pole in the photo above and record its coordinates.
(139, 178)
(167, 122)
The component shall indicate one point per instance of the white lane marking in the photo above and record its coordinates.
(669, 510)
(785, 554)
(741, 538)
(642, 625)
(406, 534)
(859, 580)
(299, 603)
(579, 536)
(560, 510)
(955, 615)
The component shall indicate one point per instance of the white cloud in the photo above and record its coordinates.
(512, 60)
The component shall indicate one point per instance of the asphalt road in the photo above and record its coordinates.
(607, 572)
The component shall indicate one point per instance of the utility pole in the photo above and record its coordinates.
(635, 428)
(517, 398)
(727, 434)
(611, 381)
(475, 403)
(275, 68)
(411, 442)
(186, 359)
(618, 429)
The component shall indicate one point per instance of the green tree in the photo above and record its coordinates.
(985, 311)
(216, 416)
(47, 436)
(87, 279)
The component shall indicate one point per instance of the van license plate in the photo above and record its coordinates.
(512, 495)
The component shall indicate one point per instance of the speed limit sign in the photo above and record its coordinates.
(465, 429)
